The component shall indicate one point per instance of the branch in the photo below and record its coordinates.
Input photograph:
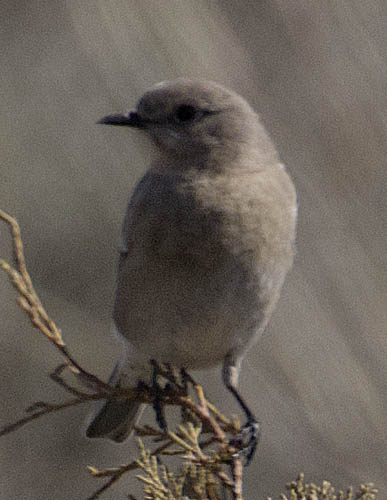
(202, 459)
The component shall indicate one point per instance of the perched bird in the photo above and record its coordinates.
(206, 242)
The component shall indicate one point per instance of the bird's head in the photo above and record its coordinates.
(189, 117)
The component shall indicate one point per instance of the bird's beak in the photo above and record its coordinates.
(131, 119)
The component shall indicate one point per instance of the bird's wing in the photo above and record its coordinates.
(126, 235)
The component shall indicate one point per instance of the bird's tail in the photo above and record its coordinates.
(116, 419)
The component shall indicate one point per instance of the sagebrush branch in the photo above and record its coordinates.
(205, 462)
(202, 472)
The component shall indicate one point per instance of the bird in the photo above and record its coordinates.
(206, 242)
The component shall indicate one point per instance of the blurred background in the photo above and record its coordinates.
(316, 71)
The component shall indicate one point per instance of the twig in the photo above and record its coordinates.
(237, 472)
(18, 248)
(117, 472)
(29, 302)
(204, 416)
(46, 410)
(105, 487)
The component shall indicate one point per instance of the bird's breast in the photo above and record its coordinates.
(206, 262)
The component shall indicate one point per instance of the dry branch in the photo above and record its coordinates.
(204, 460)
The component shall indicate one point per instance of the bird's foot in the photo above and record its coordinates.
(170, 385)
(246, 441)
(157, 394)
(167, 383)
(157, 400)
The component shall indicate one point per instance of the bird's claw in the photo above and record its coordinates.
(246, 441)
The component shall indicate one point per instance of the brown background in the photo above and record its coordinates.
(317, 73)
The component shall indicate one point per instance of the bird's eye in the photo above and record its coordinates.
(185, 113)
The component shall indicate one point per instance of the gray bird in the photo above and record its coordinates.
(206, 242)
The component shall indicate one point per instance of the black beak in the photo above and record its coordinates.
(132, 119)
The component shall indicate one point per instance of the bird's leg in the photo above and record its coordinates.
(171, 375)
(157, 401)
(248, 437)
(186, 379)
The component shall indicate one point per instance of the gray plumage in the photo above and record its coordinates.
(206, 242)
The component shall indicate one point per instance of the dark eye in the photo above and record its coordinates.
(185, 113)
